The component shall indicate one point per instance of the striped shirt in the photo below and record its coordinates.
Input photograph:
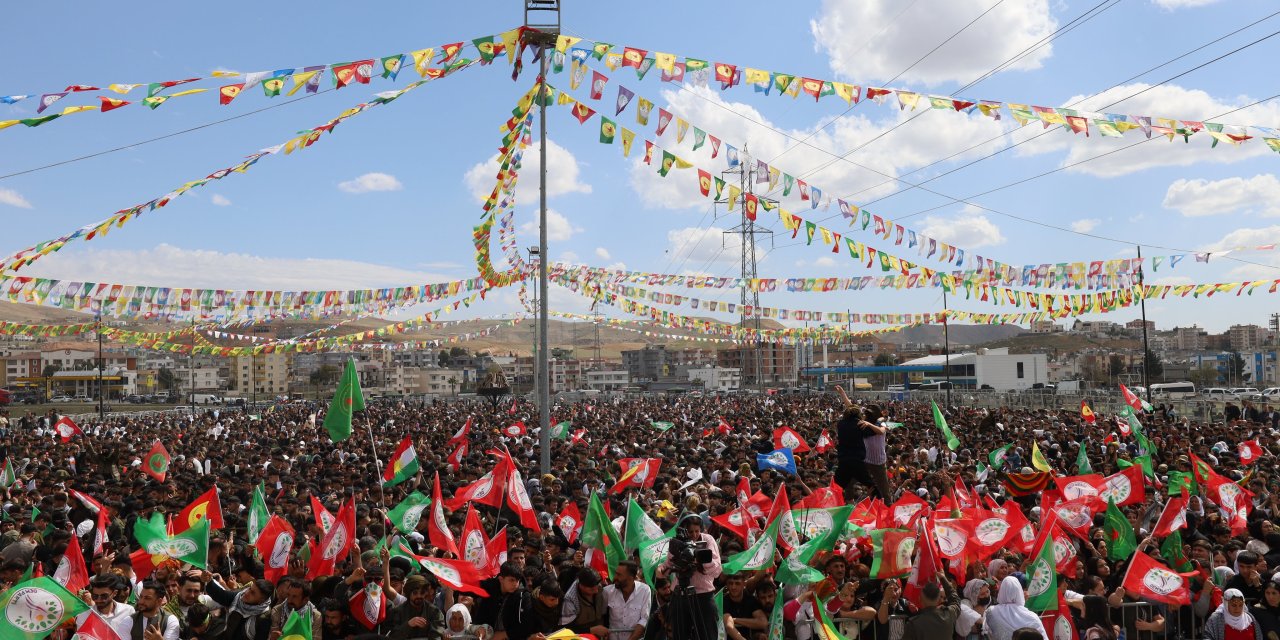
(874, 442)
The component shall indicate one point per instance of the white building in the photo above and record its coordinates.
(996, 368)
(717, 378)
(201, 379)
(607, 381)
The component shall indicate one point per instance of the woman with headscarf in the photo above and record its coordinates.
(1267, 611)
(977, 597)
(1010, 613)
(1096, 621)
(1232, 620)
(457, 624)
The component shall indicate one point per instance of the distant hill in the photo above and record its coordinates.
(959, 334)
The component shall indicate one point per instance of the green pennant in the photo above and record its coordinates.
(346, 401)
(607, 130)
(598, 533)
(953, 442)
(1042, 578)
(661, 426)
(405, 516)
(699, 138)
(758, 556)
(1082, 460)
(1171, 552)
(1121, 542)
(997, 457)
(654, 554)
(258, 513)
(641, 529)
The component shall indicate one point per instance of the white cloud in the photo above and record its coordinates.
(1086, 225)
(1169, 101)
(371, 182)
(13, 199)
(935, 135)
(562, 179)
(167, 265)
(869, 40)
(559, 228)
(220, 200)
(967, 229)
(697, 247)
(1201, 197)
(603, 253)
(1172, 5)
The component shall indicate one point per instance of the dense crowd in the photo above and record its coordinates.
(708, 459)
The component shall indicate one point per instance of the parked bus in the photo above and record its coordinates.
(1173, 390)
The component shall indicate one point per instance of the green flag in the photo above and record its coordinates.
(1121, 542)
(1082, 460)
(1179, 480)
(258, 513)
(641, 529)
(997, 457)
(1042, 577)
(296, 627)
(953, 442)
(607, 130)
(405, 515)
(399, 549)
(560, 431)
(190, 546)
(1171, 552)
(346, 400)
(8, 476)
(777, 623)
(794, 568)
(668, 159)
(758, 556)
(662, 426)
(823, 527)
(719, 599)
(654, 554)
(598, 533)
(34, 608)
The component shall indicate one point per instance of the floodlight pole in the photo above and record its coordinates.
(544, 38)
(1142, 301)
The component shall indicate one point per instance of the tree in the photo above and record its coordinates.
(1154, 367)
(325, 374)
(457, 352)
(1115, 364)
(166, 378)
(453, 385)
(443, 359)
(1235, 366)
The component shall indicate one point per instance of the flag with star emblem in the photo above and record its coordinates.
(346, 401)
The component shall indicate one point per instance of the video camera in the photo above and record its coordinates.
(686, 553)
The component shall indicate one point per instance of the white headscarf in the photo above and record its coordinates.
(1010, 613)
(1240, 622)
(466, 620)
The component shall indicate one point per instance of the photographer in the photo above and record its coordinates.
(693, 566)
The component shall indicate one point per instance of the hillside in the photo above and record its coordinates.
(973, 335)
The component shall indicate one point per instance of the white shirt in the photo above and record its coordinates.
(626, 613)
(120, 620)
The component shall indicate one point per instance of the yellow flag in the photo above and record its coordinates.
(755, 76)
(5, 124)
(300, 81)
(563, 42)
(187, 93)
(664, 61)
(628, 136)
(845, 91)
(682, 164)
(421, 60)
(70, 110)
(123, 88)
(613, 61)
(220, 74)
(509, 40)
(734, 192)
(1037, 459)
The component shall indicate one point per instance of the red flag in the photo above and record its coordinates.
(1086, 486)
(1058, 623)
(100, 532)
(457, 574)
(512, 410)
(1131, 399)
(462, 433)
(637, 473)
(737, 521)
(723, 428)
(923, 571)
(1126, 487)
(515, 430)
(569, 522)
(822, 498)
(474, 543)
(438, 530)
(907, 509)
(488, 490)
(577, 437)
(787, 438)
(1087, 413)
(455, 457)
(71, 572)
(991, 533)
(228, 93)
(1026, 533)
(95, 628)
(369, 605)
(81, 87)
(156, 464)
(952, 536)
(1173, 517)
(633, 57)
(1235, 502)
(274, 545)
(1147, 578)
(336, 544)
(206, 507)
(757, 506)
(87, 500)
(67, 428)
(518, 498)
(788, 537)
(1250, 451)
(964, 499)
(725, 72)
(324, 519)
(825, 443)
(1076, 515)
(892, 549)
(743, 492)
(496, 551)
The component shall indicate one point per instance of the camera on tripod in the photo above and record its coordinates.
(687, 555)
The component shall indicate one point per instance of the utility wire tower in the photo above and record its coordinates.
(747, 230)
(544, 16)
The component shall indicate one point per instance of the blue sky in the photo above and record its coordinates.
(290, 223)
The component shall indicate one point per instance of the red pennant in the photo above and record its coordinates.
(1147, 578)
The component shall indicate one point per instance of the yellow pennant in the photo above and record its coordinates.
(664, 61)
(628, 136)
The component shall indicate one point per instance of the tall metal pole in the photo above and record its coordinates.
(1142, 301)
(544, 377)
(946, 344)
(102, 407)
(191, 369)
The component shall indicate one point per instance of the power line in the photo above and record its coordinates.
(163, 137)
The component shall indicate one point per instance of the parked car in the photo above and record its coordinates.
(1271, 393)
(1245, 393)
(1218, 394)
(61, 399)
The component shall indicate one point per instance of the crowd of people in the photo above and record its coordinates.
(879, 449)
